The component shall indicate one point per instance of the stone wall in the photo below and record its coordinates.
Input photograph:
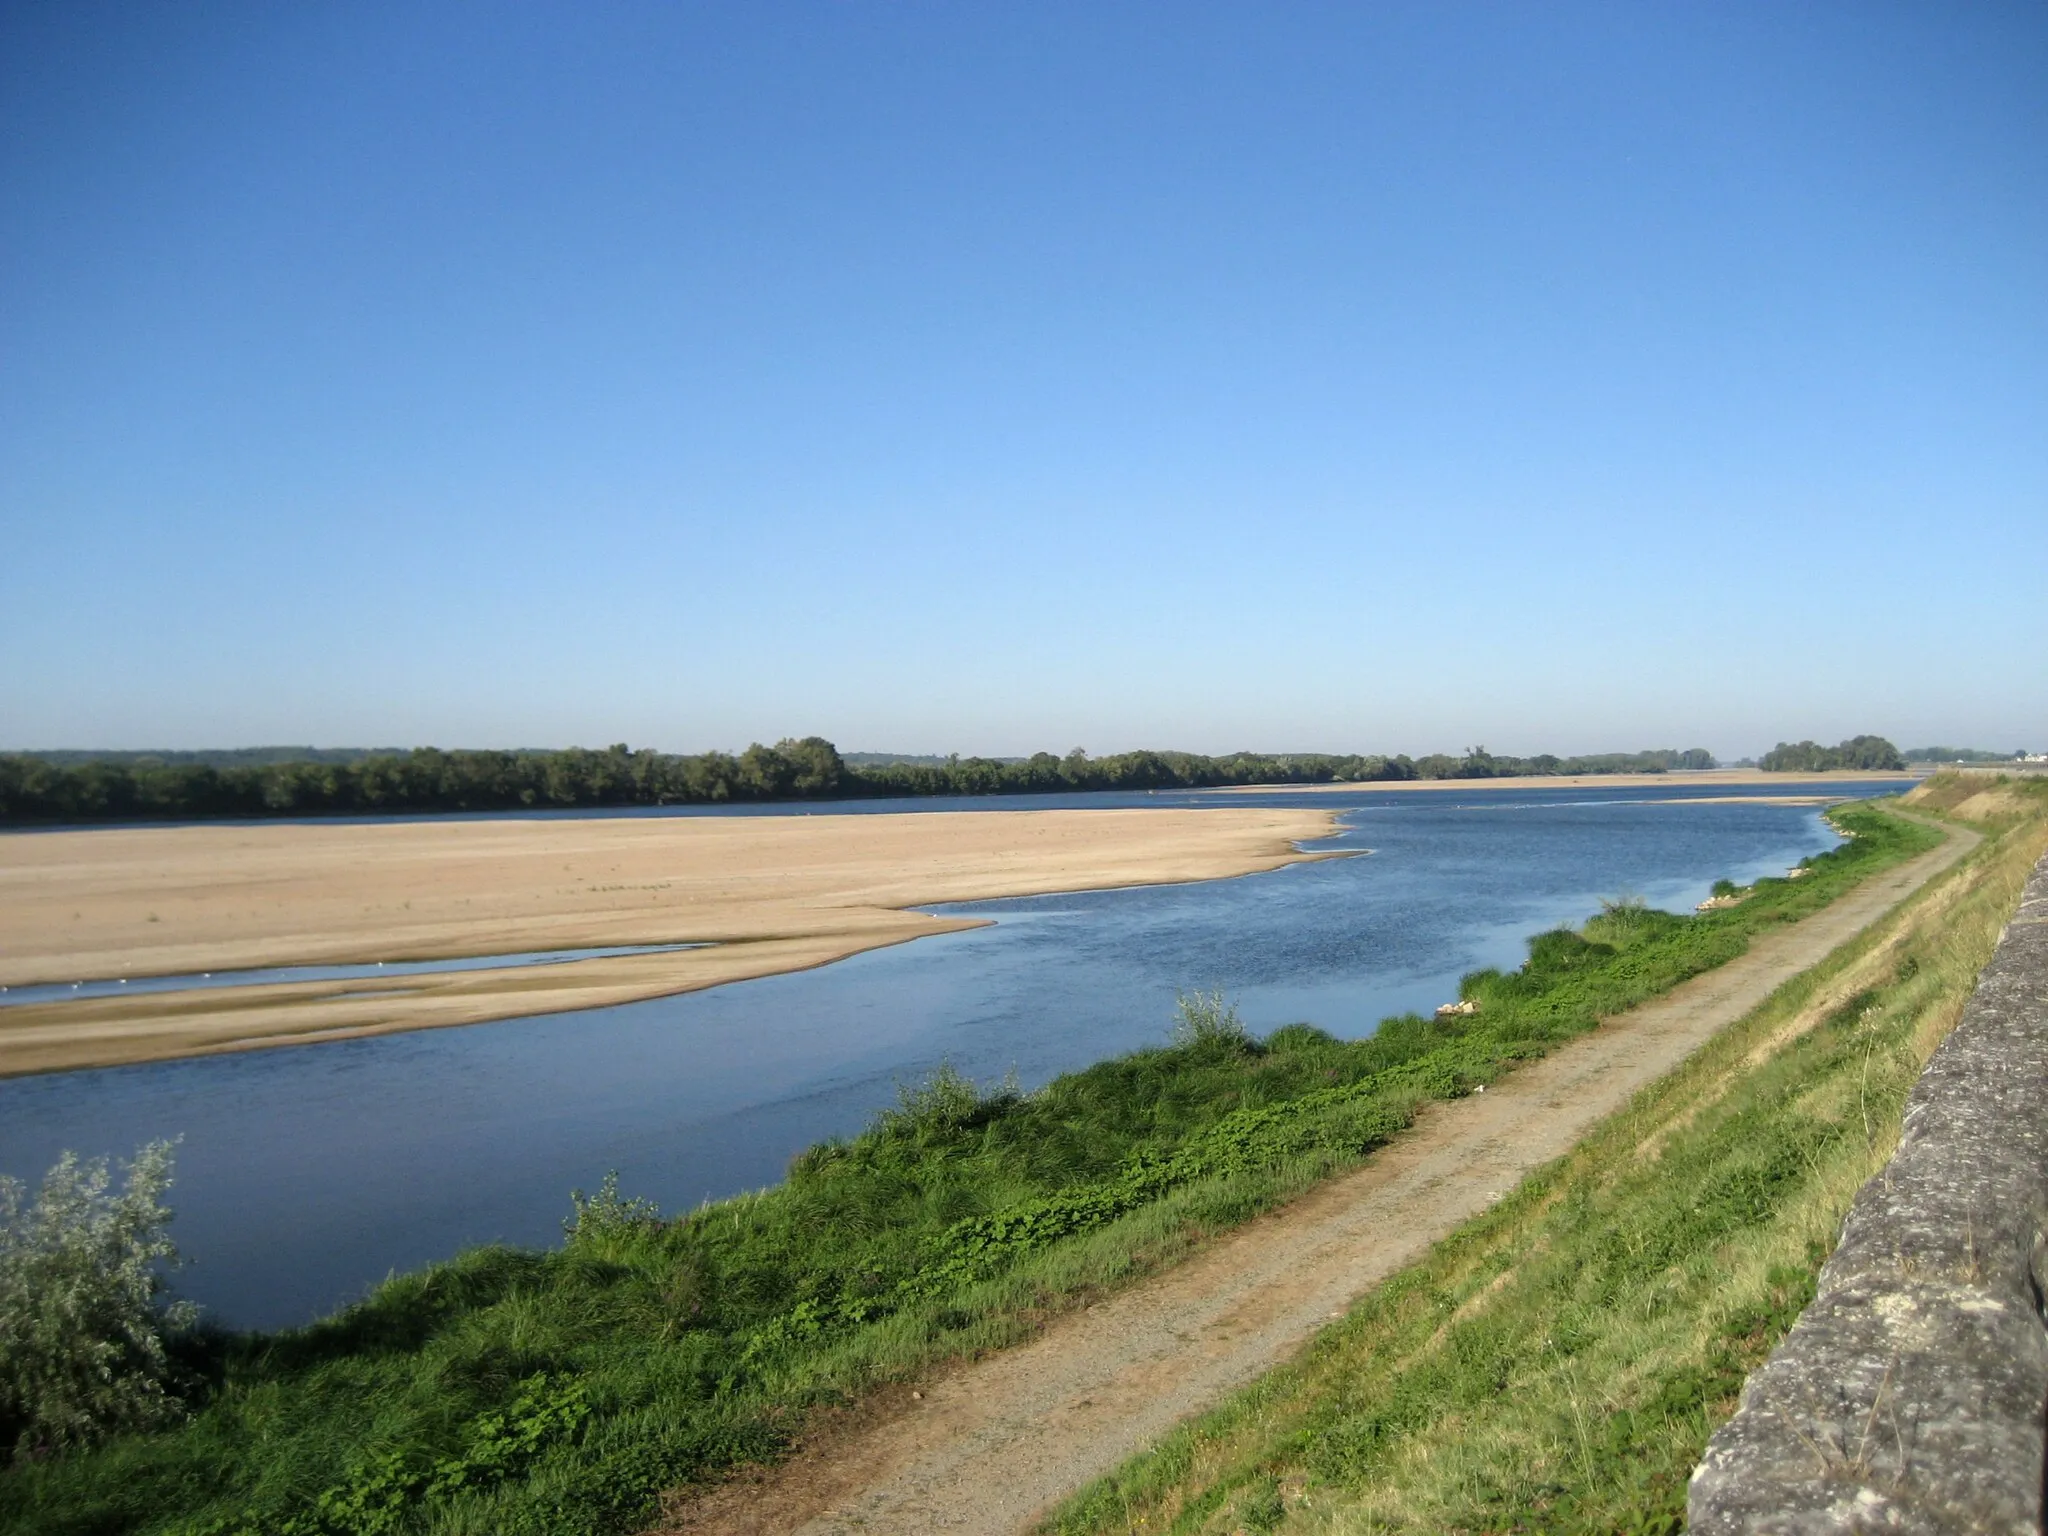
(1910, 1396)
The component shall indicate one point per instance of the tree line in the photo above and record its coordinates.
(1812, 757)
(1960, 755)
(138, 787)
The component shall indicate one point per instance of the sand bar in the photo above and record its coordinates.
(767, 893)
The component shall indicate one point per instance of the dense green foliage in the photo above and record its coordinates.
(1188, 770)
(422, 780)
(1870, 752)
(1556, 1365)
(281, 781)
(83, 1320)
(947, 1226)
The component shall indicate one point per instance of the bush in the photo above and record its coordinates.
(1208, 1019)
(1562, 951)
(1626, 921)
(83, 1325)
(607, 1216)
(935, 1107)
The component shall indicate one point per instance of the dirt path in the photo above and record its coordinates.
(988, 1447)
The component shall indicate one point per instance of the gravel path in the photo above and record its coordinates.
(990, 1446)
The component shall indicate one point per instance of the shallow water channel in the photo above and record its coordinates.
(374, 970)
(308, 1173)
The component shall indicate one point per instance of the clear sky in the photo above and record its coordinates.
(993, 377)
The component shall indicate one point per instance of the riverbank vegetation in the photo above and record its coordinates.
(1962, 755)
(561, 1392)
(83, 1321)
(71, 787)
(1858, 752)
(1557, 1364)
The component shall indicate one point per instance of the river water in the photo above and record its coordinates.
(308, 1173)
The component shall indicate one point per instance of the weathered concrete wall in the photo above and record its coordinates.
(1910, 1396)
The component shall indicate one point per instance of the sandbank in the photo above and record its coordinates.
(766, 894)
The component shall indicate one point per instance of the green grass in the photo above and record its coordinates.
(561, 1392)
(1558, 1363)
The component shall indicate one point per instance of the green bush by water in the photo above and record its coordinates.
(649, 1352)
(83, 1321)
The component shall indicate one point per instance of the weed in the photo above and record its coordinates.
(1208, 1019)
(606, 1217)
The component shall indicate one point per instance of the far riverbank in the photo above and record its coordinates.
(1715, 779)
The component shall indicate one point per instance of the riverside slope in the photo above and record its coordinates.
(990, 1446)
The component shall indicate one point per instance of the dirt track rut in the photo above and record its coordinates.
(990, 1446)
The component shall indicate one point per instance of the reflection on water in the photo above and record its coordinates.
(308, 1173)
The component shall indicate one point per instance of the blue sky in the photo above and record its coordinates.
(977, 377)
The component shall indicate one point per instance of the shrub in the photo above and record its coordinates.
(83, 1324)
(1561, 951)
(936, 1107)
(608, 1216)
(1625, 921)
(1208, 1019)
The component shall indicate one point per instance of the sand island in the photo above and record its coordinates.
(764, 894)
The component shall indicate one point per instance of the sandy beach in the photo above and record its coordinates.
(766, 893)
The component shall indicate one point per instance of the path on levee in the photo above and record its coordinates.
(991, 1445)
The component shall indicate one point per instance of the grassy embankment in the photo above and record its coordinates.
(512, 1391)
(1558, 1364)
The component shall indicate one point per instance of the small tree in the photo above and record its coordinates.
(83, 1323)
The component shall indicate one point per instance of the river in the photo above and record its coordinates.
(308, 1173)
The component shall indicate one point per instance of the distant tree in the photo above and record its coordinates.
(1858, 752)
(1872, 752)
(815, 767)
(1959, 755)
(765, 774)
(1041, 771)
(713, 777)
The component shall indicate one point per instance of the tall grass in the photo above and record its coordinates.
(1558, 1363)
(512, 1391)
